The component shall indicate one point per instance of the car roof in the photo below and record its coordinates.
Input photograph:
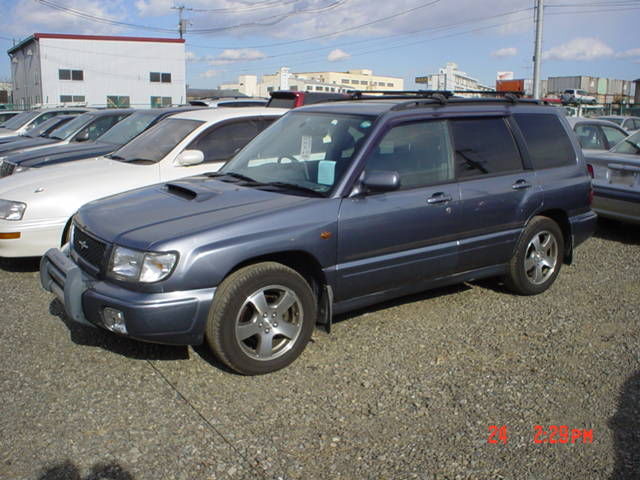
(596, 121)
(111, 111)
(622, 117)
(375, 106)
(222, 113)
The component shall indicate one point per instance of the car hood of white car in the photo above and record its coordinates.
(59, 190)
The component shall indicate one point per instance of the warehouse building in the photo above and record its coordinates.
(334, 82)
(451, 78)
(606, 90)
(58, 69)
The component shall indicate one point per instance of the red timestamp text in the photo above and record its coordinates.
(553, 434)
(561, 434)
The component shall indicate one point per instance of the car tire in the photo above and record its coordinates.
(537, 258)
(249, 328)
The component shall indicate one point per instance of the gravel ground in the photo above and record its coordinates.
(404, 390)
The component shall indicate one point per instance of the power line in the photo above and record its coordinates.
(337, 32)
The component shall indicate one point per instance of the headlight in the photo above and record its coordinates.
(147, 267)
(11, 210)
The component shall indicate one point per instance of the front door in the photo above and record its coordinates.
(393, 239)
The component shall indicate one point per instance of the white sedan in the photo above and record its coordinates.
(36, 206)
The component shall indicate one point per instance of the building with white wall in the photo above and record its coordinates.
(335, 82)
(50, 69)
(450, 78)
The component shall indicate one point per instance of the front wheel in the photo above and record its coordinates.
(261, 319)
(537, 259)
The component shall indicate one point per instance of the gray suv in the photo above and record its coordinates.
(334, 207)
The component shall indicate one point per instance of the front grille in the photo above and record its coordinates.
(6, 169)
(89, 248)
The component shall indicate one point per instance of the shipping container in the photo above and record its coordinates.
(615, 87)
(602, 86)
(510, 85)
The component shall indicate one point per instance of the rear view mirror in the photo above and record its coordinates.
(190, 157)
(83, 136)
(381, 180)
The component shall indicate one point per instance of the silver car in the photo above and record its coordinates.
(594, 134)
(616, 181)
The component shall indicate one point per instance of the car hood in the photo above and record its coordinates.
(7, 132)
(60, 153)
(154, 217)
(61, 189)
(27, 142)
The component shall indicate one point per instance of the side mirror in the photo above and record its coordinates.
(381, 181)
(190, 157)
(83, 136)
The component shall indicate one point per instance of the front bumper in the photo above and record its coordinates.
(36, 236)
(176, 318)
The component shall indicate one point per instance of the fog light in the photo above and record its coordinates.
(114, 320)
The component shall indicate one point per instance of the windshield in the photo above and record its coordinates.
(154, 144)
(631, 145)
(128, 128)
(20, 120)
(612, 119)
(68, 129)
(47, 126)
(308, 150)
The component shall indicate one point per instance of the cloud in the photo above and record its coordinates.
(210, 73)
(581, 48)
(154, 8)
(337, 55)
(191, 56)
(237, 55)
(29, 16)
(505, 52)
(634, 52)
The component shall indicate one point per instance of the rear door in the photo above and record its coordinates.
(393, 239)
(497, 192)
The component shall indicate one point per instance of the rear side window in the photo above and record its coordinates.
(614, 136)
(546, 139)
(484, 147)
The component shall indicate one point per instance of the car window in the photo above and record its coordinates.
(19, 120)
(613, 135)
(590, 136)
(312, 150)
(631, 145)
(420, 152)
(547, 141)
(221, 142)
(68, 129)
(484, 147)
(128, 128)
(635, 124)
(101, 125)
(154, 144)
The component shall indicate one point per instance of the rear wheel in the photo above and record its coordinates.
(261, 319)
(537, 259)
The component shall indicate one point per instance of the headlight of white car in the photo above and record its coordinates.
(136, 266)
(11, 210)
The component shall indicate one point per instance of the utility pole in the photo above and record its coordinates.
(182, 22)
(537, 56)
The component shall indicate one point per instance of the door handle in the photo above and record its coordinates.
(438, 198)
(521, 184)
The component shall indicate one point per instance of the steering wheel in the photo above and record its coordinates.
(295, 160)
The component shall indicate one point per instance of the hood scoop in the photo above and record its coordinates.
(186, 191)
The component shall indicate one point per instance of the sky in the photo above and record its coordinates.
(403, 38)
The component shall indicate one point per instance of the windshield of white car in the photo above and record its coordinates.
(631, 145)
(302, 151)
(20, 120)
(128, 128)
(69, 129)
(152, 145)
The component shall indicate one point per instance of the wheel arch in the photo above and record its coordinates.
(562, 219)
(309, 268)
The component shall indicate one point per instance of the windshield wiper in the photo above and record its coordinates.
(239, 176)
(294, 186)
